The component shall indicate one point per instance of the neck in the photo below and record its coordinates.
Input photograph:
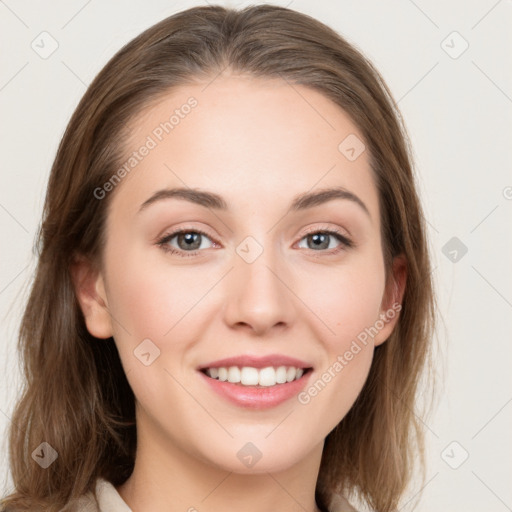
(165, 477)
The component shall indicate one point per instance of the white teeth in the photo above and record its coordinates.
(223, 374)
(234, 374)
(267, 376)
(281, 375)
(249, 376)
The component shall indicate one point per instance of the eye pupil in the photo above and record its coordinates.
(319, 240)
(191, 238)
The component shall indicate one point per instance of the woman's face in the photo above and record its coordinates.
(265, 280)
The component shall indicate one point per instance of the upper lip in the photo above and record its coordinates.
(275, 360)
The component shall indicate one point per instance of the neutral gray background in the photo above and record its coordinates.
(457, 106)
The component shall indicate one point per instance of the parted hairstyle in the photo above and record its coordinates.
(76, 396)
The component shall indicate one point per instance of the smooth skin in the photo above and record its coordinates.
(258, 144)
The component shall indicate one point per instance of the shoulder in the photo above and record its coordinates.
(107, 499)
(340, 504)
(104, 499)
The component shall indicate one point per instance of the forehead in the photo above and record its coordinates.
(246, 139)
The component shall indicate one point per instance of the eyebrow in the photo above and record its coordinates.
(216, 202)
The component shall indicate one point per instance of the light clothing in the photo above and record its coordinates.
(109, 500)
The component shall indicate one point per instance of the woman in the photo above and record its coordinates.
(233, 305)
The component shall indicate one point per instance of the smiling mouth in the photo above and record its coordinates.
(248, 376)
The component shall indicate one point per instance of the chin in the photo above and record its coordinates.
(256, 457)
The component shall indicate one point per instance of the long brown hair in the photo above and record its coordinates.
(76, 396)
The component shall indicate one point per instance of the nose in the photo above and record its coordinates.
(259, 296)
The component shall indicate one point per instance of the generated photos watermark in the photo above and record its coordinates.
(342, 360)
(156, 136)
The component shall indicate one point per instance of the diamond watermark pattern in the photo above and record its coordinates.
(146, 352)
(249, 455)
(45, 455)
(351, 147)
(454, 45)
(455, 455)
(454, 249)
(249, 249)
(44, 45)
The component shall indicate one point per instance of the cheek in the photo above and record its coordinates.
(347, 303)
(148, 298)
(350, 308)
(156, 302)
(346, 299)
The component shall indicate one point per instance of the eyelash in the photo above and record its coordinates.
(346, 243)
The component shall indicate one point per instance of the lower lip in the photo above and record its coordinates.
(252, 397)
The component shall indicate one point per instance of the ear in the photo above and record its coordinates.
(90, 292)
(392, 301)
